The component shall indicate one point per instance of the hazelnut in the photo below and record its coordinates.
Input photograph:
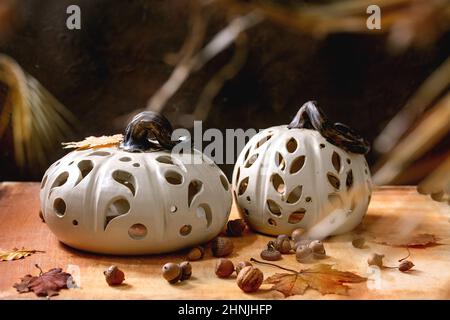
(375, 259)
(224, 268)
(222, 247)
(172, 272)
(196, 253)
(283, 244)
(250, 279)
(358, 242)
(297, 234)
(186, 270)
(271, 254)
(235, 228)
(303, 253)
(114, 276)
(241, 265)
(318, 249)
(405, 265)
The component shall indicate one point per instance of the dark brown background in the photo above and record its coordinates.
(116, 62)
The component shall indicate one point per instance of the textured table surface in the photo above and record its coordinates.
(393, 210)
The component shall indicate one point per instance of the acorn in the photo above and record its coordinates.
(250, 279)
(222, 247)
(303, 253)
(172, 272)
(283, 244)
(297, 234)
(235, 228)
(224, 268)
(196, 253)
(186, 270)
(270, 254)
(318, 249)
(114, 276)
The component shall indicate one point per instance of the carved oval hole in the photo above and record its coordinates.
(185, 230)
(295, 194)
(291, 145)
(297, 216)
(243, 186)
(336, 161)
(297, 164)
(274, 208)
(272, 222)
(278, 183)
(251, 161)
(333, 180)
(60, 180)
(279, 161)
(349, 180)
(173, 177)
(85, 167)
(59, 205)
(137, 231)
(263, 141)
(100, 153)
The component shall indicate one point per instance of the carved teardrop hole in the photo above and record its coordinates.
(274, 208)
(336, 161)
(243, 186)
(238, 174)
(297, 164)
(185, 230)
(115, 209)
(126, 179)
(291, 145)
(60, 180)
(297, 216)
(59, 205)
(263, 141)
(194, 189)
(100, 154)
(349, 180)
(251, 161)
(85, 167)
(335, 201)
(279, 161)
(225, 183)
(278, 183)
(137, 231)
(204, 212)
(272, 222)
(333, 180)
(295, 194)
(173, 177)
(247, 153)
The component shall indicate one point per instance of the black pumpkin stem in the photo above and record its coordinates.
(148, 130)
(311, 117)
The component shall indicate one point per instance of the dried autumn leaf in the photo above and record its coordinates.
(421, 240)
(95, 142)
(47, 284)
(16, 254)
(321, 277)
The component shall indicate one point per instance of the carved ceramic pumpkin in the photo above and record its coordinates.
(311, 174)
(137, 198)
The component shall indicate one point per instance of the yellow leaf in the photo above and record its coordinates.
(15, 254)
(95, 142)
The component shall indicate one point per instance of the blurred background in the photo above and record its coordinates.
(232, 64)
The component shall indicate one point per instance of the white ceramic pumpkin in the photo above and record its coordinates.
(311, 174)
(138, 198)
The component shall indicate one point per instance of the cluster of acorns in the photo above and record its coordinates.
(305, 249)
(249, 278)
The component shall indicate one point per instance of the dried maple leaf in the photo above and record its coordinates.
(421, 240)
(321, 277)
(16, 254)
(95, 142)
(46, 284)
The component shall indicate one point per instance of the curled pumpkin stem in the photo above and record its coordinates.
(148, 130)
(311, 117)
